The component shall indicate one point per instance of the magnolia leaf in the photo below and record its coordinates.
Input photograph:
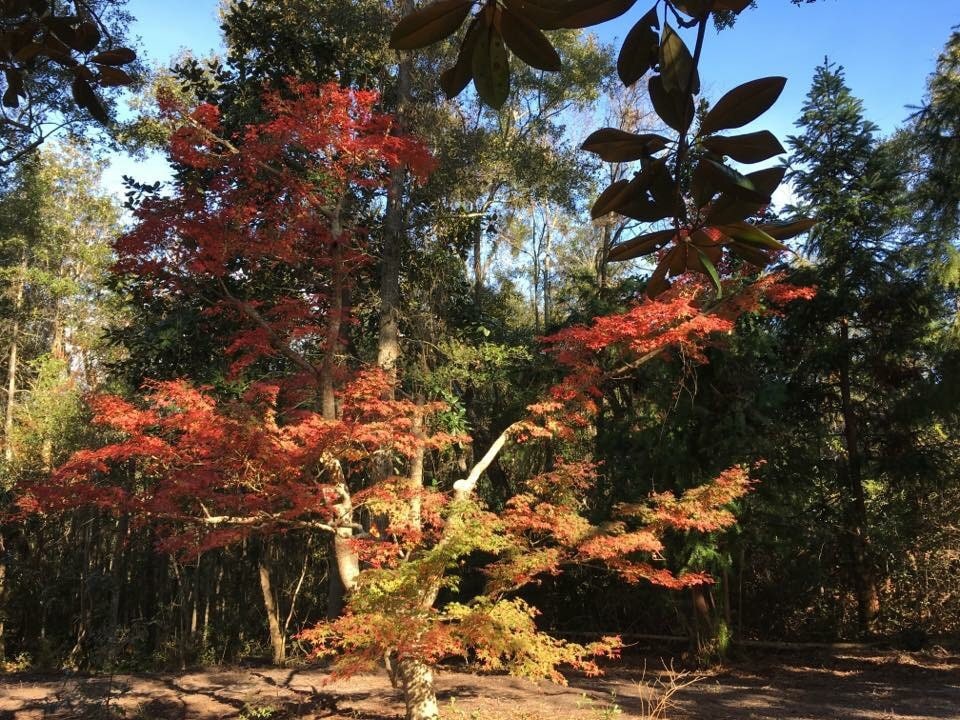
(455, 79)
(29, 52)
(613, 145)
(86, 98)
(751, 235)
(731, 5)
(731, 182)
(787, 230)
(545, 14)
(728, 209)
(609, 199)
(11, 96)
(429, 24)
(113, 77)
(693, 8)
(117, 56)
(675, 109)
(527, 42)
(748, 148)
(743, 104)
(84, 72)
(643, 209)
(584, 13)
(752, 255)
(85, 38)
(709, 268)
(491, 68)
(640, 49)
(676, 64)
(658, 280)
(709, 239)
(701, 189)
(640, 245)
(678, 259)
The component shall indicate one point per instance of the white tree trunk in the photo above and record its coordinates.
(416, 679)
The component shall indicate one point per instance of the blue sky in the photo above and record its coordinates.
(887, 47)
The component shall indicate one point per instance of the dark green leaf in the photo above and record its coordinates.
(491, 68)
(640, 245)
(640, 49)
(455, 79)
(676, 64)
(527, 42)
(743, 104)
(731, 182)
(585, 13)
(613, 145)
(117, 56)
(787, 230)
(751, 235)
(86, 98)
(748, 148)
(609, 199)
(429, 24)
(675, 109)
(658, 281)
(710, 269)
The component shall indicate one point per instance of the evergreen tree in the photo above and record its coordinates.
(860, 344)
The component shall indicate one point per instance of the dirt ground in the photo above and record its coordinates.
(786, 686)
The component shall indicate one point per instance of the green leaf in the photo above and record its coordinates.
(749, 148)
(610, 199)
(429, 24)
(728, 208)
(658, 280)
(527, 42)
(545, 14)
(752, 255)
(613, 145)
(86, 98)
(675, 109)
(751, 235)
(731, 182)
(693, 8)
(455, 79)
(676, 64)
(491, 69)
(117, 56)
(711, 270)
(640, 245)
(640, 49)
(736, 6)
(787, 230)
(743, 104)
(584, 13)
(113, 77)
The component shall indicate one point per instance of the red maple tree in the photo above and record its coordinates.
(276, 199)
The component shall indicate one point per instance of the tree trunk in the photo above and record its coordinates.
(12, 374)
(416, 680)
(278, 642)
(3, 598)
(864, 579)
(477, 263)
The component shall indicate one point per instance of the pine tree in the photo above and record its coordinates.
(861, 342)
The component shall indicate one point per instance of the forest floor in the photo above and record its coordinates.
(781, 686)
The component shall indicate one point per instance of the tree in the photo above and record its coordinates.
(56, 224)
(273, 202)
(48, 47)
(932, 138)
(853, 185)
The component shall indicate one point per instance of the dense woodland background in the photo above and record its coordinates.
(852, 399)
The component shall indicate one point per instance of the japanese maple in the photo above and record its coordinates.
(275, 200)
